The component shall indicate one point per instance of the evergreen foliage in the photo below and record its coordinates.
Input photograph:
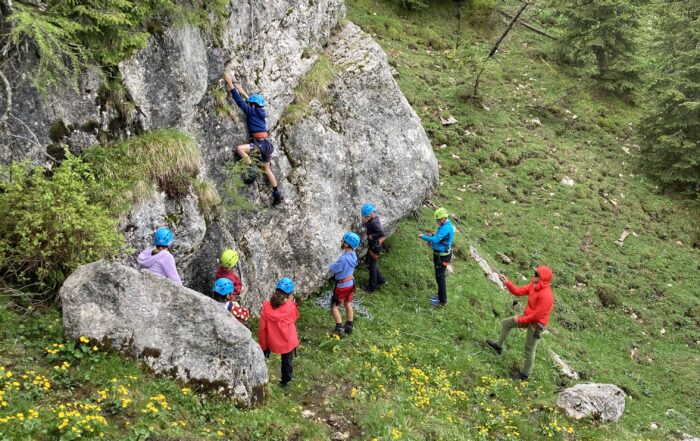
(600, 36)
(671, 130)
(56, 41)
(69, 33)
(53, 221)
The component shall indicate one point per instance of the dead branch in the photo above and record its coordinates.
(8, 97)
(510, 26)
(527, 25)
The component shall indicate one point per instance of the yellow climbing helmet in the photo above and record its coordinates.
(228, 259)
(441, 213)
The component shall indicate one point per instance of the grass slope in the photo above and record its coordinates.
(627, 315)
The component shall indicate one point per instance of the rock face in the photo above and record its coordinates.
(174, 330)
(605, 402)
(360, 142)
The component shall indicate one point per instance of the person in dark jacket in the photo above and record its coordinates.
(277, 332)
(540, 300)
(375, 238)
(254, 109)
(441, 243)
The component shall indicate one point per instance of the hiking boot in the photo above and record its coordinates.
(339, 331)
(348, 328)
(519, 377)
(276, 197)
(496, 347)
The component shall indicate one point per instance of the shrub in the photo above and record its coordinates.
(53, 222)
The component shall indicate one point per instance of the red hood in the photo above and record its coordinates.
(283, 314)
(545, 273)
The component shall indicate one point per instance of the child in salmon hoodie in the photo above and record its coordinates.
(277, 332)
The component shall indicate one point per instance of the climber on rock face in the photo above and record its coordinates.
(224, 293)
(342, 270)
(277, 332)
(254, 108)
(540, 301)
(157, 258)
(441, 243)
(375, 238)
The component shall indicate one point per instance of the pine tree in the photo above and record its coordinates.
(671, 130)
(601, 34)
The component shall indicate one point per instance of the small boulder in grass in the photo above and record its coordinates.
(603, 402)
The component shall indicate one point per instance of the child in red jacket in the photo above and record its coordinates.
(540, 301)
(278, 332)
(227, 263)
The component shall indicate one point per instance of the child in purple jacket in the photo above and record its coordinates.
(157, 259)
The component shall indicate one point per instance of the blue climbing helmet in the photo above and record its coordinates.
(258, 99)
(223, 286)
(286, 285)
(368, 209)
(351, 239)
(163, 237)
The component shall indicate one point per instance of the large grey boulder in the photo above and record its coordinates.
(604, 402)
(175, 331)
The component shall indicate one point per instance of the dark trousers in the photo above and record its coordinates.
(287, 366)
(440, 263)
(375, 276)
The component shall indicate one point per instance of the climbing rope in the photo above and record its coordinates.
(324, 301)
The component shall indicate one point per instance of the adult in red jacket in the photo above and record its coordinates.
(277, 331)
(540, 301)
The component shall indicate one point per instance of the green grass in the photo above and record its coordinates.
(500, 176)
(313, 85)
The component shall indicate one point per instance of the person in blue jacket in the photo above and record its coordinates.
(343, 272)
(441, 243)
(254, 109)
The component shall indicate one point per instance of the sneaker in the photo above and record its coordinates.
(283, 385)
(381, 282)
(496, 347)
(276, 197)
(519, 377)
(435, 298)
(367, 288)
(347, 328)
(339, 331)
(436, 303)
